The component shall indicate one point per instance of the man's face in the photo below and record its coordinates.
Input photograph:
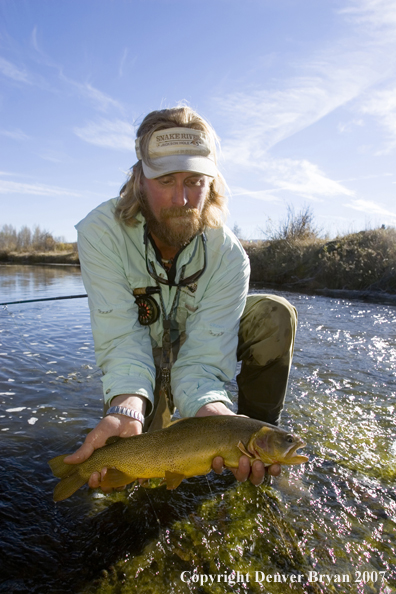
(173, 204)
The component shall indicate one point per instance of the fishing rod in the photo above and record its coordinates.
(43, 299)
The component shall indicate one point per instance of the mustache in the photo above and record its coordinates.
(179, 211)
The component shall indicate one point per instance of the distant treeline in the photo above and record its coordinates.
(293, 256)
(27, 240)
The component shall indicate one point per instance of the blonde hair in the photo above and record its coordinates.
(215, 209)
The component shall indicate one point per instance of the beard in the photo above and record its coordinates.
(177, 225)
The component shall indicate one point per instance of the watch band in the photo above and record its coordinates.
(127, 412)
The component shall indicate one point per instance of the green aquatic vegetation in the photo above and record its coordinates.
(236, 536)
(333, 515)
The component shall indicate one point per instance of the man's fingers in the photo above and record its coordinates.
(218, 464)
(274, 470)
(242, 472)
(94, 480)
(258, 473)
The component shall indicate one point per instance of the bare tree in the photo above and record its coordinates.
(237, 231)
(24, 238)
(8, 238)
(298, 225)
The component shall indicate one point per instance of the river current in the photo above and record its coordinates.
(326, 526)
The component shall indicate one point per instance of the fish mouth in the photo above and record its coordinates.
(292, 451)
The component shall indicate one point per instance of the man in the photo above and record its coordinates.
(167, 284)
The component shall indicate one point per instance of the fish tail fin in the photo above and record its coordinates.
(58, 467)
(71, 480)
(68, 485)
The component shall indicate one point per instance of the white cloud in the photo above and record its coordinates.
(264, 195)
(372, 208)
(345, 127)
(15, 134)
(114, 134)
(336, 76)
(376, 14)
(11, 187)
(102, 101)
(261, 118)
(126, 62)
(382, 105)
(303, 178)
(122, 62)
(11, 71)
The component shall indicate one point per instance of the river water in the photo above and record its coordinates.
(326, 526)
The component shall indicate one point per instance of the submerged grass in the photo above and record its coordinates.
(243, 529)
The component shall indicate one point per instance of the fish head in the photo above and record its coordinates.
(274, 445)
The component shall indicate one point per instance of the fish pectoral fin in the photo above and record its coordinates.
(116, 478)
(173, 479)
(244, 450)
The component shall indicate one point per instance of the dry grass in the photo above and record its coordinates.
(294, 254)
(358, 261)
(39, 257)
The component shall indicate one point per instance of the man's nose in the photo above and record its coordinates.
(179, 195)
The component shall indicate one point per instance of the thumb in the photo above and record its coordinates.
(82, 454)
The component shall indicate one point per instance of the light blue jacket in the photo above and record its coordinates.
(113, 264)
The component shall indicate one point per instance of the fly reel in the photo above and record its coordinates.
(148, 308)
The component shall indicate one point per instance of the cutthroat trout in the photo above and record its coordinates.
(184, 449)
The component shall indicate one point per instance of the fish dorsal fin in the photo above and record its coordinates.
(244, 450)
(173, 479)
(116, 478)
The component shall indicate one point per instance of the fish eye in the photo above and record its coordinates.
(289, 438)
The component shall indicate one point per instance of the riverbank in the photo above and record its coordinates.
(359, 264)
(356, 266)
(40, 257)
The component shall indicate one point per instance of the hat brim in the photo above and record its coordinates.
(175, 163)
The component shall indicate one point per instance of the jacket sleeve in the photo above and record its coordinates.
(207, 358)
(122, 345)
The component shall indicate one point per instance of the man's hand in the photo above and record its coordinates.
(257, 471)
(110, 426)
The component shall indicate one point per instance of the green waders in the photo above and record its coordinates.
(266, 341)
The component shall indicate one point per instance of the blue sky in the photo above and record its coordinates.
(301, 92)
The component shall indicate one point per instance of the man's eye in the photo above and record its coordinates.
(195, 181)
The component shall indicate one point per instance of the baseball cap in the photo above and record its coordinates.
(178, 149)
